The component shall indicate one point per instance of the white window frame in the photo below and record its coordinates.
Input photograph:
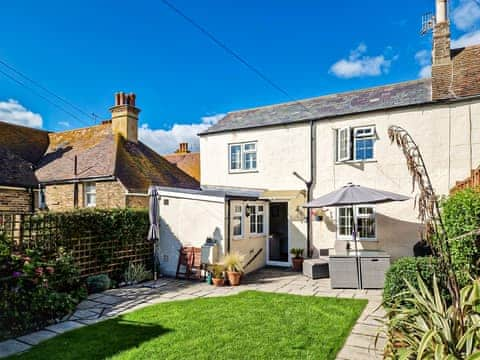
(348, 136)
(357, 216)
(236, 214)
(346, 132)
(257, 213)
(90, 192)
(243, 151)
(369, 135)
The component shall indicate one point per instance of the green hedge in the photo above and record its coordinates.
(407, 268)
(460, 215)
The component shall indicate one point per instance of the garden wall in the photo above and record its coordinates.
(101, 241)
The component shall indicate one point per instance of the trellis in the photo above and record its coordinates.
(93, 254)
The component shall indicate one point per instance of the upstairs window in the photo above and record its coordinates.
(357, 144)
(90, 195)
(243, 157)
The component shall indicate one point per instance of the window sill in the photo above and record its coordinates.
(242, 171)
(350, 162)
(361, 239)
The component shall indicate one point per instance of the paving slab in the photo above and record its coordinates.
(11, 347)
(65, 326)
(37, 337)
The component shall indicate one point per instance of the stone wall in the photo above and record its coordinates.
(60, 197)
(15, 200)
(137, 201)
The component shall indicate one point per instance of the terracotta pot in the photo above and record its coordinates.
(297, 264)
(234, 277)
(218, 282)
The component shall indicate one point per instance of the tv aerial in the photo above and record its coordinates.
(428, 23)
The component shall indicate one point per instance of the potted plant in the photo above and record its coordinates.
(297, 259)
(233, 265)
(217, 275)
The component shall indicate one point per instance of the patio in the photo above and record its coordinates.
(98, 307)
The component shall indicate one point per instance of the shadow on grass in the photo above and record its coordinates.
(99, 341)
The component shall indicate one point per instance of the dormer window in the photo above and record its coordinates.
(243, 157)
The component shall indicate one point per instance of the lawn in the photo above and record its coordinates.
(250, 325)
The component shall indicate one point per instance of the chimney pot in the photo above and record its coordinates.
(125, 116)
(441, 11)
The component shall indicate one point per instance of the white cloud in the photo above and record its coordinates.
(424, 59)
(358, 64)
(12, 111)
(466, 14)
(471, 38)
(64, 124)
(166, 141)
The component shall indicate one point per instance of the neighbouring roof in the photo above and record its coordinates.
(187, 162)
(29, 157)
(94, 150)
(224, 192)
(139, 167)
(378, 98)
(20, 149)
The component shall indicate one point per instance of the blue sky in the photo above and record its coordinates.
(87, 50)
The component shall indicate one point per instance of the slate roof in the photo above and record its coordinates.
(187, 162)
(20, 149)
(378, 98)
(29, 157)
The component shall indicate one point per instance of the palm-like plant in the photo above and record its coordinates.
(431, 330)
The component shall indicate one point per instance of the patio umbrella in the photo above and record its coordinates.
(154, 231)
(351, 195)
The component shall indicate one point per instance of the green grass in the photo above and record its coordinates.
(250, 325)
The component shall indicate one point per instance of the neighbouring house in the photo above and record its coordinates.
(259, 166)
(185, 160)
(103, 166)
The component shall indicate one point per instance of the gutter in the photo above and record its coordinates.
(73, 181)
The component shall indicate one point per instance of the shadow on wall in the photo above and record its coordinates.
(169, 245)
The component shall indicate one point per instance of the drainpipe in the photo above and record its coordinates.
(309, 185)
(227, 230)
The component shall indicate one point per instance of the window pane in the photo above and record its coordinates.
(260, 224)
(345, 221)
(237, 226)
(249, 147)
(235, 157)
(364, 149)
(366, 227)
(250, 161)
(238, 209)
(91, 199)
(365, 210)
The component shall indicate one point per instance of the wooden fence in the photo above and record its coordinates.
(93, 254)
(472, 181)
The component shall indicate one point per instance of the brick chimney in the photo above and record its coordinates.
(441, 56)
(125, 116)
(182, 148)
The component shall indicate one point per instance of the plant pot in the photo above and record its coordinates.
(218, 282)
(297, 264)
(234, 277)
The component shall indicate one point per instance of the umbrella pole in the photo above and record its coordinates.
(357, 255)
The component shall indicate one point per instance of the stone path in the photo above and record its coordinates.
(359, 345)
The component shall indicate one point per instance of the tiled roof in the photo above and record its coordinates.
(138, 167)
(20, 148)
(187, 162)
(94, 150)
(378, 98)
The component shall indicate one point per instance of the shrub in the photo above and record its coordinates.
(136, 273)
(36, 291)
(429, 328)
(233, 262)
(461, 215)
(296, 252)
(407, 268)
(98, 283)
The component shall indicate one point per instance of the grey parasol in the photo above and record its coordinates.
(154, 231)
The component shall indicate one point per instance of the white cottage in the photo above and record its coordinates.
(275, 158)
